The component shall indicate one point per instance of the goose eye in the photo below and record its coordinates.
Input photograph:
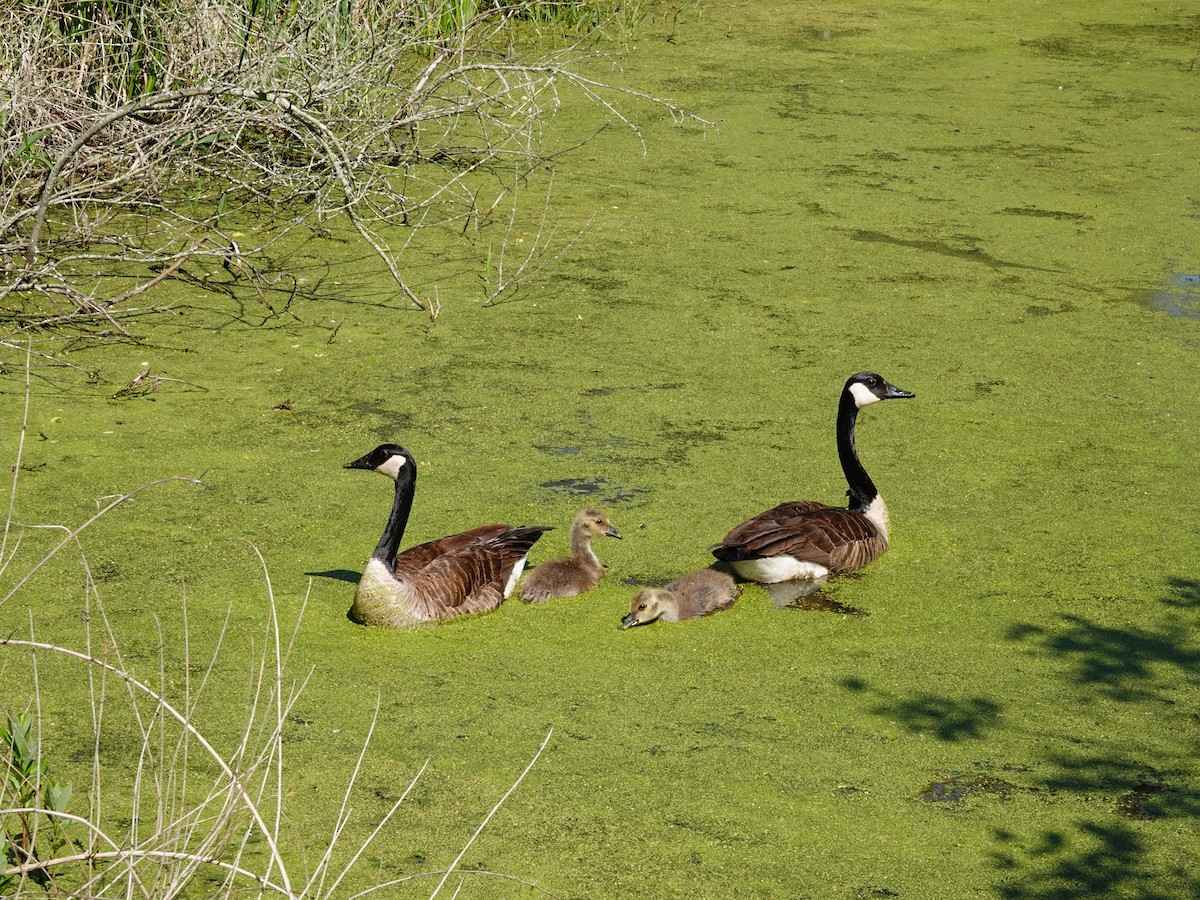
(642, 606)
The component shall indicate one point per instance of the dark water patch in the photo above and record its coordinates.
(1038, 213)
(805, 594)
(1179, 295)
(1004, 149)
(695, 433)
(816, 208)
(643, 579)
(1185, 32)
(600, 488)
(1134, 804)
(559, 451)
(912, 278)
(820, 603)
(959, 786)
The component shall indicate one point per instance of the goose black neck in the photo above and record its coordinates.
(862, 490)
(393, 532)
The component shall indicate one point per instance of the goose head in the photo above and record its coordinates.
(386, 459)
(594, 523)
(647, 605)
(870, 387)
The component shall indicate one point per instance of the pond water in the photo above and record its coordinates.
(974, 200)
(1179, 295)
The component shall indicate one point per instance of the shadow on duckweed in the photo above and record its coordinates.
(1100, 858)
(1098, 854)
(948, 719)
(1104, 850)
(1179, 295)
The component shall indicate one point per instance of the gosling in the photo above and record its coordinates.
(574, 574)
(688, 597)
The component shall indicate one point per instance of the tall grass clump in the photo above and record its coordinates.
(137, 138)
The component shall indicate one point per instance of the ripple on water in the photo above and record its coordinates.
(1179, 295)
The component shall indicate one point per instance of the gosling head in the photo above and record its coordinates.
(647, 605)
(594, 523)
(870, 387)
(386, 459)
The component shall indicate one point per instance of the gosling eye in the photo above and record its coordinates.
(642, 606)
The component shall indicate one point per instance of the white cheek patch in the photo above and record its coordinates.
(862, 395)
(392, 467)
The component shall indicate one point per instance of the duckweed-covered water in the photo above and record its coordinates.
(983, 202)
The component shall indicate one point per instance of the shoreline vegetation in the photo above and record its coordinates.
(137, 140)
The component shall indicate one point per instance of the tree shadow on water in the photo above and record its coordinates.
(1096, 859)
(1136, 675)
(1118, 663)
(947, 718)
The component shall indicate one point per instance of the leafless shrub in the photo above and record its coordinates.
(137, 140)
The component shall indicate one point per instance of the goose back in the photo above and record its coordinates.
(836, 539)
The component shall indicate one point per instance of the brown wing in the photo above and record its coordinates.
(835, 538)
(470, 575)
(410, 563)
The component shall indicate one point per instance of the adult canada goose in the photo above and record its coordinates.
(689, 597)
(574, 574)
(465, 573)
(809, 540)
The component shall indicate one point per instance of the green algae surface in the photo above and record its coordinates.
(980, 202)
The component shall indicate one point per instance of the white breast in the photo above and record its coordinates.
(878, 515)
(777, 568)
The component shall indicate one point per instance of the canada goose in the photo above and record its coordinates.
(465, 573)
(688, 597)
(809, 540)
(574, 574)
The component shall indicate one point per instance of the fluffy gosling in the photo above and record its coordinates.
(688, 597)
(574, 574)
